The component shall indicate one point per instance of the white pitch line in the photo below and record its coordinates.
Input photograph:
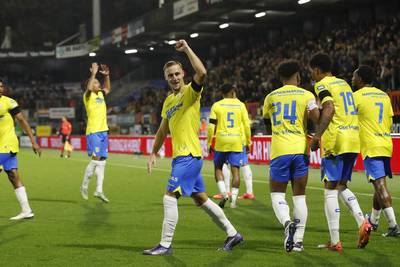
(210, 175)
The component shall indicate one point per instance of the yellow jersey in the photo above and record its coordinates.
(182, 110)
(8, 138)
(232, 121)
(96, 110)
(287, 108)
(342, 134)
(375, 117)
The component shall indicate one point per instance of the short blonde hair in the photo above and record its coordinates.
(172, 63)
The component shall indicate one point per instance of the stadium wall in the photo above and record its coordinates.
(142, 145)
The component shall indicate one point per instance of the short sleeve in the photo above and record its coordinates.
(266, 108)
(213, 114)
(390, 108)
(191, 95)
(323, 92)
(164, 110)
(311, 102)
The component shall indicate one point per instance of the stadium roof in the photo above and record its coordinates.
(165, 24)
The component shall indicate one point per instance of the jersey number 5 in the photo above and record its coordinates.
(230, 120)
(286, 110)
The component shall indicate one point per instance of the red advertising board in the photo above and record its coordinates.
(260, 150)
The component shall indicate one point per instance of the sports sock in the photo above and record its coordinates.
(351, 202)
(100, 166)
(300, 214)
(22, 198)
(332, 213)
(248, 178)
(226, 172)
(88, 173)
(221, 187)
(280, 207)
(218, 216)
(375, 216)
(390, 217)
(235, 193)
(170, 220)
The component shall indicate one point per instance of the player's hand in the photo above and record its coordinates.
(36, 148)
(151, 162)
(210, 150)
(104, 70)
(315, 143)
(94, 68)
(181, 46)
(248, 150)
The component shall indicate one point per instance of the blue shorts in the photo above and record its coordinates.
(9, 161)
(186, 176)
(338, 168)
(377, 167)
(233, 158)
(97, 144)
(245, 159)
(287, 167)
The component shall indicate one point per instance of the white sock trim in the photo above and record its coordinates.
(218, 216)
(280, 206)
(170, 220)
(300, 214)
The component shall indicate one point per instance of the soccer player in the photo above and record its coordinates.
(289, 108)
(96, 129)
(181, 117)
(246, 170)
(9, 147)
(338, 132)
(65, 132)
(375, 117)
(227, 118)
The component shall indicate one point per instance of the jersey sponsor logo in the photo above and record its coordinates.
(321, 87)
(172, 110)
(99, 100)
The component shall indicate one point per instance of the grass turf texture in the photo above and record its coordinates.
(68, 231)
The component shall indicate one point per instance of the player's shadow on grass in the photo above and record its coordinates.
(103, 247)
(7, 240)
(53, 200)
(174, 261)
(96, 218)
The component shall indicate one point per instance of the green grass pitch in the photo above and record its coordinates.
(68, 231)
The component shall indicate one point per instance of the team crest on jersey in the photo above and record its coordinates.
(99, 100)
(320, 87)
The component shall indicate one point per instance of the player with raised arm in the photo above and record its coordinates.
(375, 117)
(9, 147)
(181, 117)
(338, 132)
(286, 111)
(96, 129)
(228, 120)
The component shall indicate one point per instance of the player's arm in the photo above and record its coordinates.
(158, 142)
(200, 70)
(93, 71)
(313, 111)
(16, 113)
(212, 123)
(328, 110)
(267, 119)
(106, 73)
(247, 129)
